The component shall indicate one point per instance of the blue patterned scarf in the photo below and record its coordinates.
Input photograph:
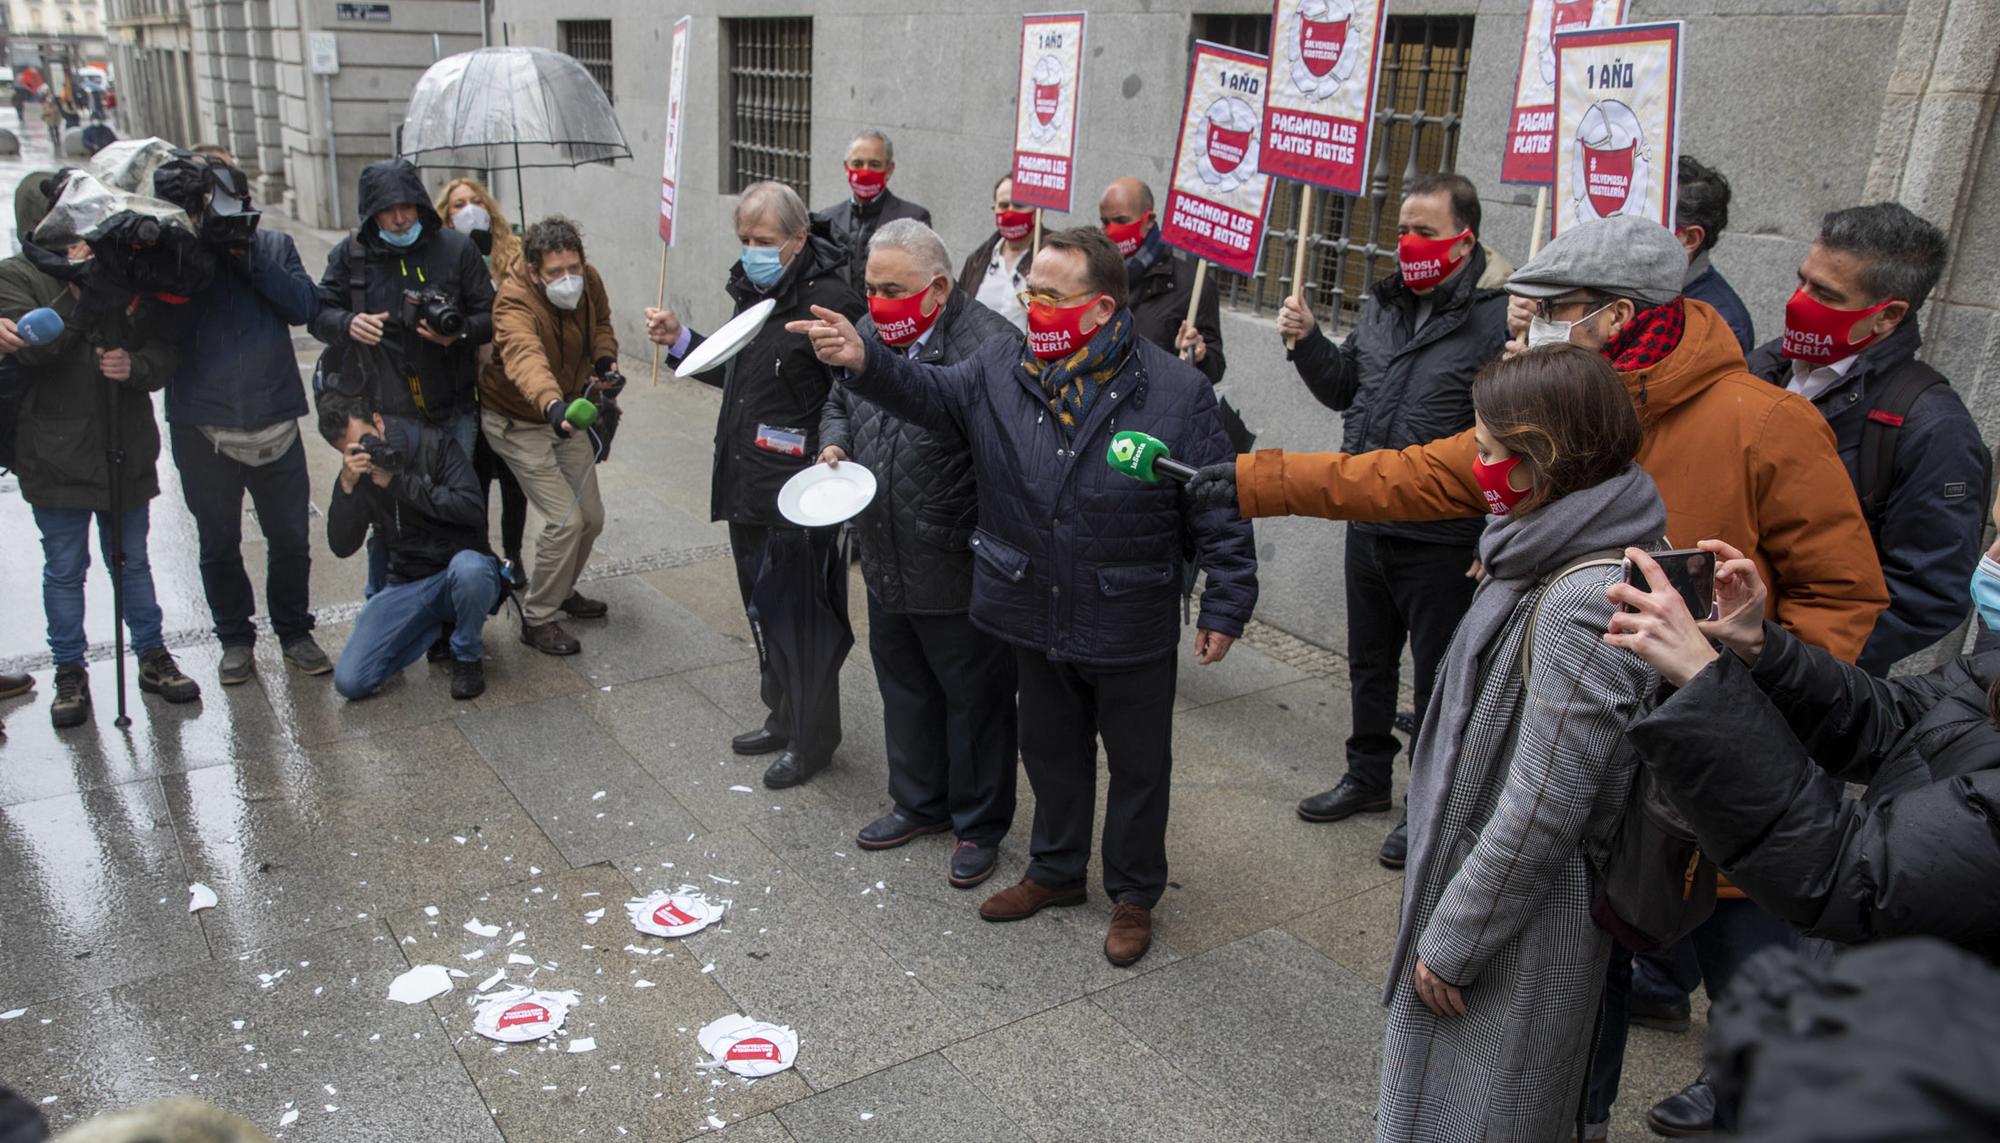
(1072, 383)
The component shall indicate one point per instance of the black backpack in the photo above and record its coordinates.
(1653, 885)
(1877, 459)
(335, 373)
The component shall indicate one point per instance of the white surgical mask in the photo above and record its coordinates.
(470, 217)
(1542, 331)
(565, 292)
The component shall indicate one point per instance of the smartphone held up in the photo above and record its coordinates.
(1691, 571)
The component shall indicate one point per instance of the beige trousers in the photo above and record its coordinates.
(560, 479)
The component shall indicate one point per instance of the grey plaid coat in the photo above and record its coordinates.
(1542, 772)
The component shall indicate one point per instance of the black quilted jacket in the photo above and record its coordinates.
(1071, 558)
(916, 554)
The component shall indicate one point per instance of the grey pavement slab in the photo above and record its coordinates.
(793, 956)
(323, 837)
(857, 775)
(1245, 670)
(644, 635)
(1269, 1027)
(302, 1025)
(708, 589)
(918, 1102)
(574, 779)
(639, 516)
(1358, 932)
(97, 893)
(641, 1009)
(1075, 1073)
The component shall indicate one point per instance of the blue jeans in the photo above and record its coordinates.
(65, 559)
(464, 429)
(400, 622)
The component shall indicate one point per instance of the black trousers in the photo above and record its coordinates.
(746, 544)
(1397, 590)
(948, 719)
(1065, 709)
(213, 486)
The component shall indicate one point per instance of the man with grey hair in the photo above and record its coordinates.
(768, 429)
(947, 687)
(870, 204)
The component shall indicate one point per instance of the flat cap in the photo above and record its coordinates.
(1624, 256)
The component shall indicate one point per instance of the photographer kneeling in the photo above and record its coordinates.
(552, 326)
(416, 488)
(1754, 747)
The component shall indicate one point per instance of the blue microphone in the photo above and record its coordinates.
(39, 327)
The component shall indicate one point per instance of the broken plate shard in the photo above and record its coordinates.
(420, 984)
(522, 1014)
(676, 914)
(200, 897)
(478, 930)
(748, 1047)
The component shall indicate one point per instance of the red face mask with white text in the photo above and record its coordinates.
(867, 185)
(1055, 332)
(1128, 236)
(900, 321)
(1424, 261)
(1501, 497)
(1014, 224)
(1816, 333)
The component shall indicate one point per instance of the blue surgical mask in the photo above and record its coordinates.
(1986, 592)
(406, 238)
(763, 265)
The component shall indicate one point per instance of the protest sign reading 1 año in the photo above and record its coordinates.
(1045, 118)
(1531, 130)
(1320, 102)
(670, 174)
(1217, 200)
(1618, 96)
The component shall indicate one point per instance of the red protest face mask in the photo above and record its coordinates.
(867, 185)
(1128, 235)
(1501, 497)
(1056, 331)
(1425, 261)
(1014, 224)
(900, 321)
(1816, 333)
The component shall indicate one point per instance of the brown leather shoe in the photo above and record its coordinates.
(550, 638)
(1019, 902)
(1130, 935)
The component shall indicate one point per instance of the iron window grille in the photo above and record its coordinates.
(1352, 239)
(589, 43)
(768, 103)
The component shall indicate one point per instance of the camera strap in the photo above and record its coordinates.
(415, 385)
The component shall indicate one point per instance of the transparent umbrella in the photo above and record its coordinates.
(505, 108)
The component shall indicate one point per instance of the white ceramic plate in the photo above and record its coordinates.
(821, 496)
(726, 342)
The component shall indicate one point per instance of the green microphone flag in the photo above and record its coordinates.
(1144, 457)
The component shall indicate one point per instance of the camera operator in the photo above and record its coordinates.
(552, 325)
(233, 410)
(80, 403)
(415, 487)
(426, 303)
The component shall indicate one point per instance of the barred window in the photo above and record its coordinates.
(589, 43)
(767, 103)
(1418, 113)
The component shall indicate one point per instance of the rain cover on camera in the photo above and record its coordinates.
(128, 164)
(88, 204)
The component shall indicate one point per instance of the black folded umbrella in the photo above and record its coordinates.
(799, 606)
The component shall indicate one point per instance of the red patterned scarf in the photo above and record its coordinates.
(1647, 338)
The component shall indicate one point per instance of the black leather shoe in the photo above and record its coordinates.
(1687, 1113)
(791, 770)
(972, 863)
(1344, 801)
(759, 741)
(1661, 1017)
(893, 829)
(1396, 847)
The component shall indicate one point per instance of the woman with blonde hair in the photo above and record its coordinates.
(466, 205)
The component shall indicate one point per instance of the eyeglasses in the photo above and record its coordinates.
(1030, 298)
(1545, 308)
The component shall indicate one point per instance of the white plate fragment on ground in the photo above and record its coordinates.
(677, 914)
(478, 930)
(200, 897)
(584, 1044)
(519, 1015)
(748, 1047)
(420, 984)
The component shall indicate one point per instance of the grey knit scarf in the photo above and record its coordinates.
(1517, 552)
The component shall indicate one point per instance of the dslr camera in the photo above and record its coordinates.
(382, 454)
(433, 306)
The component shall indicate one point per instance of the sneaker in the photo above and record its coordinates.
(239, 662)
(581, 606)
(305, 656)
(71, 706)
(160, 675)
(468, 679)
(549, 638)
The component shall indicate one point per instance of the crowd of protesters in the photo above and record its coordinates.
(1613, 799)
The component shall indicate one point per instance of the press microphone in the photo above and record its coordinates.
(581, 413)
(39, 326)
(1144, 457)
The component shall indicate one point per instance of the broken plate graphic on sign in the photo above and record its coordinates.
(519, 1015)
(748, 1047)
(677, 914)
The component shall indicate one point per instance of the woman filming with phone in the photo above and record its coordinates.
(1520, 769)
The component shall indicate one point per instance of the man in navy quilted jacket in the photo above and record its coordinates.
(1078, 566)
